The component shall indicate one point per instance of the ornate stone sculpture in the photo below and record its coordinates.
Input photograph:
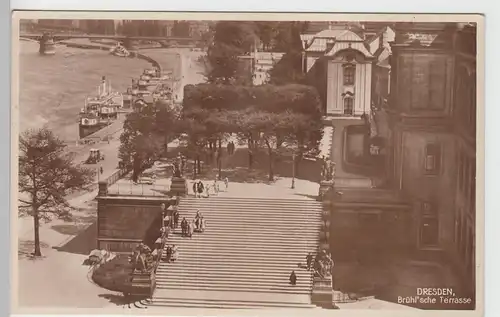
(328, 170)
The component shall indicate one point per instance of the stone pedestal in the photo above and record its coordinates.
(324, 187)
(322, 292)
(103, 188)
(179, 187)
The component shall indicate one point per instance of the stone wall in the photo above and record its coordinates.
(124, 222)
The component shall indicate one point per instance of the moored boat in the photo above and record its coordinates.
(100, 110)
(119, 50)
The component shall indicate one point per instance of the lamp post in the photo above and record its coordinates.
(163, 214)
(293, 171)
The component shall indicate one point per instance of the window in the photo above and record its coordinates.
(349, 74)
(349, 106)
(432, 159)
(429, 227)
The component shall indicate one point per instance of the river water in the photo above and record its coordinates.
(53, 88)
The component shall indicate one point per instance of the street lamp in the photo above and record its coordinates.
(163, 208)
(293, 171)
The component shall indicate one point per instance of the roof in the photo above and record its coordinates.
(332, 41)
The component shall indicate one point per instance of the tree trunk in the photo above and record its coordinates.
(198, 164)
(270, 153)
(219, 157)
(136, 168)
(271, 169)
(36, 226)
(298, 160)
(250, 158)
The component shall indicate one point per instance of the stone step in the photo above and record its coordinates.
(246, 229)
(249, 224)
(215, 242)
(201, 245)
(285, 297)
(250, 245)
(283, 222)
(235, 213)
(226, 251)
(252, 199)
(251, 210)
(249, 205)
(201, 303)
(261, 235)
(238, 258)
(206, 263)
(247, 270)
(291, 289)
(249, 285)
(249, 214)
(240, 279)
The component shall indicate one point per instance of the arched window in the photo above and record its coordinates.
(349, 74)
(349, 106)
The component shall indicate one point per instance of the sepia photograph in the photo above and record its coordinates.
(287, 162)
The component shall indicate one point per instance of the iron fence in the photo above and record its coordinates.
(113, 178)
(131, 189)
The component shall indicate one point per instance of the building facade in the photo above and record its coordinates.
(433, 123)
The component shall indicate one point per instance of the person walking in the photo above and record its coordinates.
(190, 229)
(176, 219)
(175, 253)
(309, 260)
(226, 183)
(200, 188)
(216, 187)
(293, 278)
(195, 189)
(169, 253)
(202, 224)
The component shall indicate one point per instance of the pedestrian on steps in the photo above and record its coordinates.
(190, 229)
(201, 188)
(293, 278)
(195, 189)
(184, 225)
(169, 253)
(203, 224)
(176, 219)
(309, 260)
(175, 253)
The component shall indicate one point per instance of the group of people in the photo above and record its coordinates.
(198, 224)
(204, 190)
(230, 148)
(172, 253)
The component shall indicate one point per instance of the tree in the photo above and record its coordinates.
(146, 134)
(223, 63)
(47, 175)
(266, 31)
(230, 41)
(289, 69)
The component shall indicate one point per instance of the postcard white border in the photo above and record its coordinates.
(267, 16)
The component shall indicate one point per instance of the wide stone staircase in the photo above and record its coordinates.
(245, 256)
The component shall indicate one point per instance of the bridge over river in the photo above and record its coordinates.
(127, 40)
